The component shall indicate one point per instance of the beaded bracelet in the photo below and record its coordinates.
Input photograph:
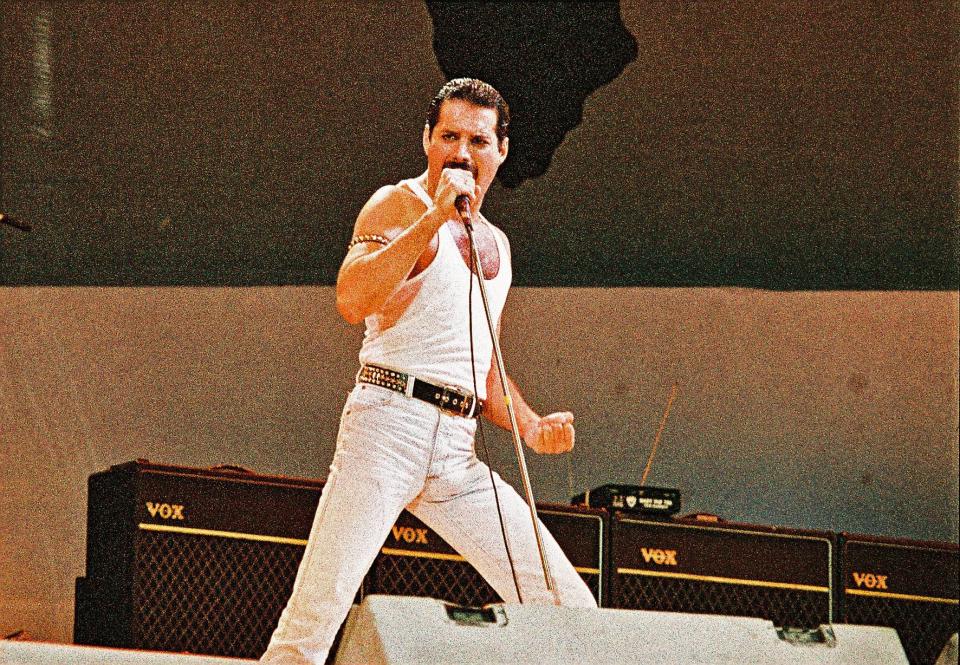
(368, 237)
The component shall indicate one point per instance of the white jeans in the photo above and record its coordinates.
(395, 452)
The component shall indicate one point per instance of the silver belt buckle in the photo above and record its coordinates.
(459, 410)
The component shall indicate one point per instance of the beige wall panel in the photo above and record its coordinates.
(813, 409)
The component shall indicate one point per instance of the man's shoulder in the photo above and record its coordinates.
(395, 196)
(391, 206)
(386, 195)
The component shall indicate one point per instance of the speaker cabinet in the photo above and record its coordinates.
(182, 559)
(392, 629)
(415, 561)
(203, 561)
(680, 565)
(908, 585)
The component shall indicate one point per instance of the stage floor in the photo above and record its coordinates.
(16, 652)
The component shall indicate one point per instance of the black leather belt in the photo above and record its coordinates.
(446, 399)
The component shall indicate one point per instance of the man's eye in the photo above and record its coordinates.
(480, 141)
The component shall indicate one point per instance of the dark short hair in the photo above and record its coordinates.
(476, 92)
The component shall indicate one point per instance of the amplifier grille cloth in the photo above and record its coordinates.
(784, 607)
(218, 596)
(453, 581)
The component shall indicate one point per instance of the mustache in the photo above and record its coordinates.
(463, 166)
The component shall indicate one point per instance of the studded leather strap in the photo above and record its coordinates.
(446, 399)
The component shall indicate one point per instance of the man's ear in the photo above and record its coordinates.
(504, 146)
(426, 137)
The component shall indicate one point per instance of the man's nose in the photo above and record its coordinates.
(463, 151)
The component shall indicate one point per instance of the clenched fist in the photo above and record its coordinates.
(551, 434)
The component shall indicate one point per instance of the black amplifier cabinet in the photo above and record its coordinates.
(182, 559)
(415, 561)
(683, 565)
(908, 585)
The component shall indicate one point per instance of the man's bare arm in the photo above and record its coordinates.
(371, 272)
(549, 434)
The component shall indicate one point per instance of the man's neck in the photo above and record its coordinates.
(429, 187)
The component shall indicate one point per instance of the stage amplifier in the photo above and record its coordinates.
(415, 561)
(680, 565)
(631, 498)
(196, 560)
(203, 561)
(908, 585)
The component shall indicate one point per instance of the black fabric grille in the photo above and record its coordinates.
(784, 607)
(924, 627)
(211, 595)
(452, 581)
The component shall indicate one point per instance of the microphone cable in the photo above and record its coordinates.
(479, 436)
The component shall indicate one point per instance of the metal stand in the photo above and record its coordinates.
(515, 430)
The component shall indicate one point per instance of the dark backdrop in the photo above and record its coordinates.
(776, 145)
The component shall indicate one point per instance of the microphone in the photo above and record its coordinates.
(10, 220)
(462, 204)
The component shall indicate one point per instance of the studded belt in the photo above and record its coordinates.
(445, 398)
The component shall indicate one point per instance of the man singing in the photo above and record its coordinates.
(406, 435)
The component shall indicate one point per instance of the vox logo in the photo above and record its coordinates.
(660, 557)
(870, 581)
(166, 511)
(410, 535)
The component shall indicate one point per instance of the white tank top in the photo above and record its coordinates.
(431, 338)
